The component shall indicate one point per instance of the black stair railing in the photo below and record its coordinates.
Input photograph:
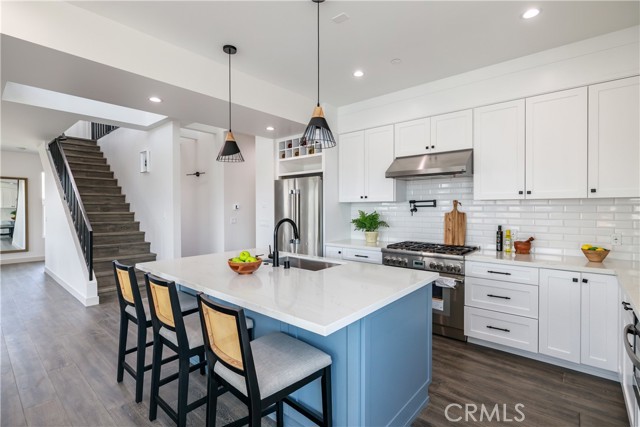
(72, 196)
(98, 130)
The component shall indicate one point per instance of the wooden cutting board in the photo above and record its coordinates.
(455, 226)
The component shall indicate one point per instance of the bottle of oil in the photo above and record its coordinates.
(499, 239)
(507, 241)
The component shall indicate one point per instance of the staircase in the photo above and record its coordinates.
(116, 234)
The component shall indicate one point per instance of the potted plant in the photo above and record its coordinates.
(369, 223)
(13, 215)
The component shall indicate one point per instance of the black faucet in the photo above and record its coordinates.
(276, 255)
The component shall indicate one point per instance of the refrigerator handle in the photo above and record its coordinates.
(296, 218)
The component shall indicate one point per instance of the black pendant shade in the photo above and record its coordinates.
(318, 132)
(230, 152)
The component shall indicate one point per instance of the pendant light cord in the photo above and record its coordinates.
(229, 92)
(318, 18)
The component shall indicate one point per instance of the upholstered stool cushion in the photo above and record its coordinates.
(187, 302)
(280, 361)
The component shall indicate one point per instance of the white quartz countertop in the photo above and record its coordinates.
(322, 301)
(627, 272)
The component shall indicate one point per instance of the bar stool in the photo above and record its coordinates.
(135, 309)
(261, 373)
(183, 335)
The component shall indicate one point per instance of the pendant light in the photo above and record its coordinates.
(230, 151)
(318, 132)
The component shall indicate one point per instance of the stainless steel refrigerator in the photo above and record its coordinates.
(300, 199)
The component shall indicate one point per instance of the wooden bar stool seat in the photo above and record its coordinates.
(260, 373)
(135, 309)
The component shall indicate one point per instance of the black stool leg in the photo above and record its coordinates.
(212, 400)
(326, 397)
(122, 345)
(279, 414)
(155, 378)
(140, 355)
(202, 367)
(183, 390)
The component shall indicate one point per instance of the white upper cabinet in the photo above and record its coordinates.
(413, 138)
(614, 138)
(556, 147)
(365, 157)
(453, 131)
(498, 154)
(351, 166)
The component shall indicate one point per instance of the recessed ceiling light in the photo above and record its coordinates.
(358, 73)
(154, 99)
(531, 13)
(396, 61)
(270, 128)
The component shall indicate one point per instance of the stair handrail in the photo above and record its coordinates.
(79, 215)
(98, 130)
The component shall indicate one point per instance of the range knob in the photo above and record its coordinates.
(457, 269)
(387, 260)
(432, 265)
(449, 267)
(439, 266)
(405, 262)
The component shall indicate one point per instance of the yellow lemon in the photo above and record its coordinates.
(600, 250)
(586, 247)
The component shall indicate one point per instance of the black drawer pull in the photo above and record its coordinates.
(520, 192)
(575, 280)
(498, 329)
(498, 296)
(585, 281)
(361, 256)
(498, 272)
(626, 306)
(528, 191)
(593, 190)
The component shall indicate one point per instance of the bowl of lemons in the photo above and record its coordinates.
(244, 263)
(594, 253)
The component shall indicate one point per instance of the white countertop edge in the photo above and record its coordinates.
(562, 264)
(323, 330)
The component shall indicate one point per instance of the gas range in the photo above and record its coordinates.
(427, 256)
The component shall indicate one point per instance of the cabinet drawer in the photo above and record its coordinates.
(362, 255)
(506, 297)
(333, 252)
(502, 272)
(506, 329)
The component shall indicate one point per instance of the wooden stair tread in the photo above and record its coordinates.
(113, 245)
(130, 256)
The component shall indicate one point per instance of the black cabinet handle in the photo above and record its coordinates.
(433, 146)
(520, 192)
(426, 148)
(528, 191)
(626, 306)
(575, 280)
(366, 197)
(362, 197)
(498, 329)
(593, 190)
(361, 256)
(339, 252)
(498, 296)
(499, 272)
(585, 281)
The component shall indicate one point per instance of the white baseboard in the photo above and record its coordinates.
(548, 359)
(86, 301)
(21, 260)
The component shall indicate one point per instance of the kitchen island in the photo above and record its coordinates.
(374, 321)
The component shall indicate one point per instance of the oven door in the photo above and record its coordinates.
(630, 370)
(448, 307)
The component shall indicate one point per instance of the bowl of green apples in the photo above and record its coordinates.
(244, 263)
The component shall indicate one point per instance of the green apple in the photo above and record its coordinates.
(236, 259)
(244, 255)
(251, 259)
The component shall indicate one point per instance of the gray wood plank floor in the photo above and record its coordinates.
(58, 368)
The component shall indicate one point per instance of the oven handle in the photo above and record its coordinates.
(631, 330)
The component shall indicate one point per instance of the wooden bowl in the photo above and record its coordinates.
(523, 246)
(596, 256)
(245, 267)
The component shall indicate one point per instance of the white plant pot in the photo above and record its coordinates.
(371, 236)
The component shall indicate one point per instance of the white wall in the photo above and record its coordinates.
(64, 261)
(265, 175)
(240, 188)
(559, 226)
(201, 197)
(21, 164)
(603, 58)
(81, 129)
(154, 196)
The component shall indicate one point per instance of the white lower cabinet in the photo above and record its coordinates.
(333, 252)
(506, 329)
(578, 313)
(510, 298)
(362, 255)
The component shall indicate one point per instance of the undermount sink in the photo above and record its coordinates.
(308, 264)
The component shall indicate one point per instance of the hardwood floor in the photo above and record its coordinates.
(58, 368)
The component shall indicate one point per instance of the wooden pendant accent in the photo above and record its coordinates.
(230, 137)
(455, 226)
(318, 112)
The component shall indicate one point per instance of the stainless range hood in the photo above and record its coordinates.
(458, 163)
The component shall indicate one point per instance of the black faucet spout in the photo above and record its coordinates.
(276, 254)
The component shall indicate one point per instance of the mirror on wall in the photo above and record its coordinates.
(13, 215)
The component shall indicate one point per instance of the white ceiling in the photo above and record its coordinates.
(434, 39)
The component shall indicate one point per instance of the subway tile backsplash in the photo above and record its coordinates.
(559, 226)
